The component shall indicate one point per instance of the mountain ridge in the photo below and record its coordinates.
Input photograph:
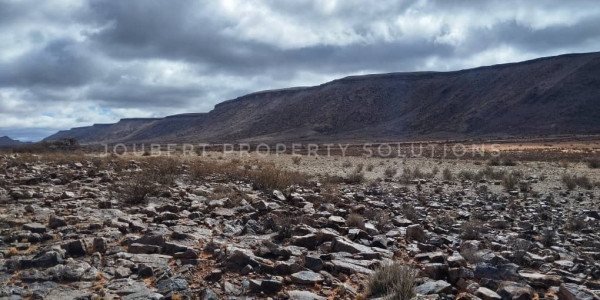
(544, 96)
(7, 142)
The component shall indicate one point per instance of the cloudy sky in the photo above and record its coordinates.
(73, 63)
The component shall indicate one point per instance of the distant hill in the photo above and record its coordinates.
(546, 96)
(6, 142)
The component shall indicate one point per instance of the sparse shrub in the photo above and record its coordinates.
(417, 173)
(472, 229)
(509, 181)
(407, 175)
(593, 163)
(163, 170)
(392, 281)
(296, 160)
(435, 171)
(267, 178)
(447, 174)
(136, 186)
(572, 181)
(467, 175)
(491, 173)
(355, 220)
(355, 177)
(569, 181)
(494, 161)
(390, 172)
(346, 164)
(444, 220)
(272, 178)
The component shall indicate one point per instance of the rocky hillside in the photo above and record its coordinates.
(84, 227)
(546, 96)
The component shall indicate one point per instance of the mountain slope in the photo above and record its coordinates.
(546, 96)
(6, 142)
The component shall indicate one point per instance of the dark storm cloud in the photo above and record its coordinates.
(184, 31)
(108, 59)
(58, 63)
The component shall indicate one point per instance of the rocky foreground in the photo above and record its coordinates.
(67, 232)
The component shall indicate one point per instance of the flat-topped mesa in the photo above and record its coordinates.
(186, 115)
(139, 119)
(265, 93)
(547, 96)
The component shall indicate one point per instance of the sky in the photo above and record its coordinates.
(66, 63)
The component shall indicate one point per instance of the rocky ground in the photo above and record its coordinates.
(73, 228)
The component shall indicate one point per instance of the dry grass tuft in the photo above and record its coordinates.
(447, 174)
(510, 181)
(467, 175)
(272, 178)
(393, 281)
(355, 177)
(492, 174)
(355, 220)
(390, 172)
(296, 160)
(573, 181)
(267, 178)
